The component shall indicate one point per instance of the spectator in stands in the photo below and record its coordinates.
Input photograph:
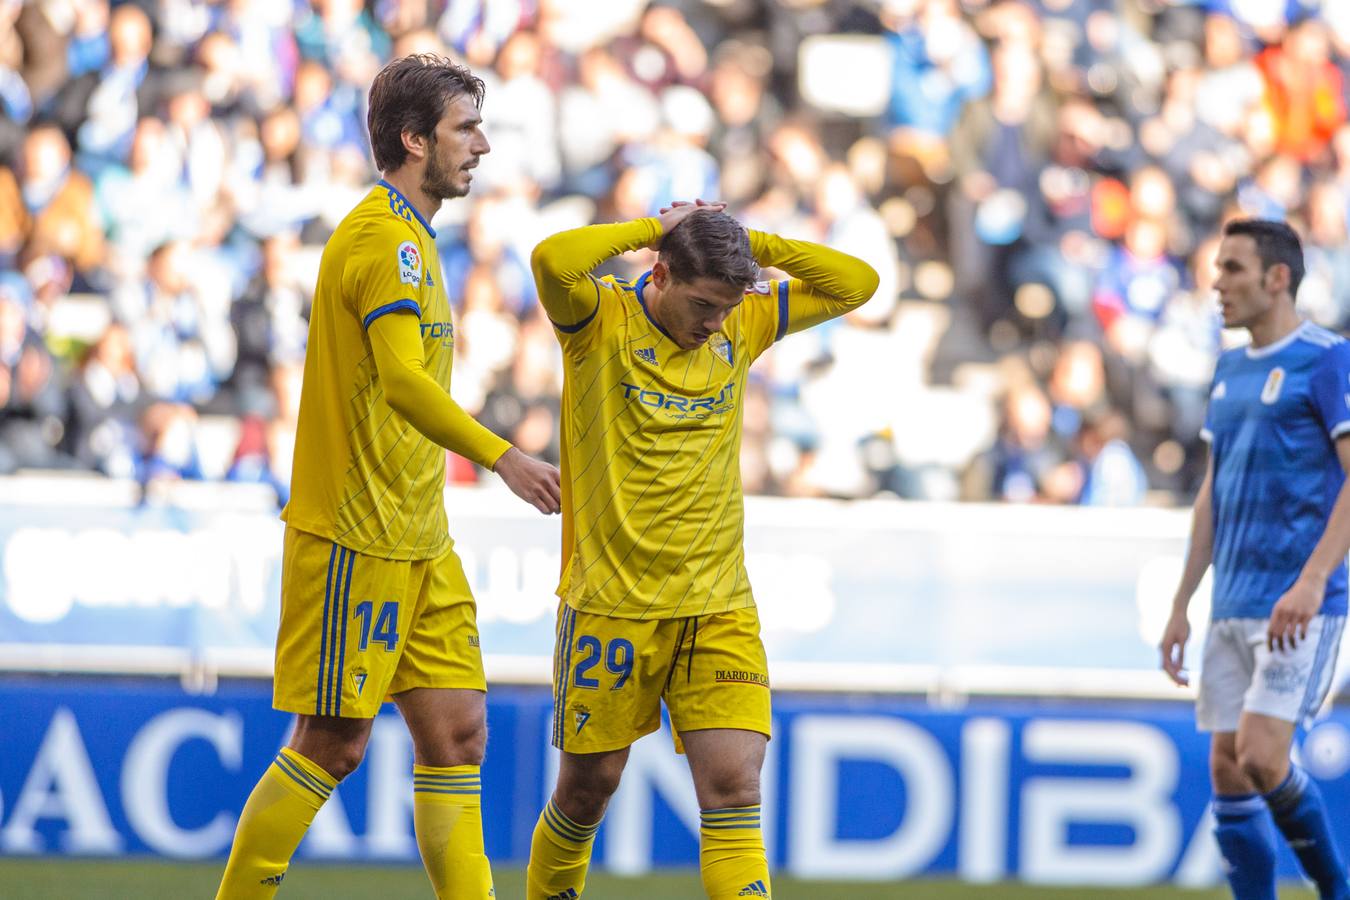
(31, 403)
(1031, 178)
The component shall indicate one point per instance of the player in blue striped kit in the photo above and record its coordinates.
(1273, 516)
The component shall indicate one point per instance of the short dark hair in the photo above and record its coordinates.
(710, 244)
(1276, 243)
(411, 94)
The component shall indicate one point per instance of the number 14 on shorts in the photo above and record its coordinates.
(386, 624)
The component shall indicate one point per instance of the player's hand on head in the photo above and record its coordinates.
(1173, 646)
(536, 482)
(679, 210)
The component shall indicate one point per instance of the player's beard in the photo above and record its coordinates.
(438, 182)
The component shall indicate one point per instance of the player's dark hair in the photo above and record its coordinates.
(710, 244)
(411, 94)
(1276, 243)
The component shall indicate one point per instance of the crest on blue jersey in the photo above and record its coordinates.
(719, 345)
(1274, 381)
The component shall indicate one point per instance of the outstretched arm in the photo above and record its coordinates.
(826, 283)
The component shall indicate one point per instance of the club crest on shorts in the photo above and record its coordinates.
(359, 679)
(721, 347)
(1274, 381)
(580, 717)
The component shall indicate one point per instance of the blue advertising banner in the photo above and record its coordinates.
(855, 786)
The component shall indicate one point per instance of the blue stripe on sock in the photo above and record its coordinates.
(323, 640)
(560, 823)
(431, 790)
(1238, 804)
(559, 828)
(1290, 791)
(303, 778)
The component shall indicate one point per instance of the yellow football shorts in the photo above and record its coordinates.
(357, 629)
(610, 676)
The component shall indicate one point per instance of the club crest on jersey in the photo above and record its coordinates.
(1274, 381)
(721, 347)
(409, 264)
(1220, 391)
(646, 354)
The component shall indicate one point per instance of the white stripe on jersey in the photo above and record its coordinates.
(1315, 334)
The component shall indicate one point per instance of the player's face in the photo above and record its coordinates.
(454, 149)
(1244, 288)
(692, 311)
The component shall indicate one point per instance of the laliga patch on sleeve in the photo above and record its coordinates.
(409, 264)
(759, 287)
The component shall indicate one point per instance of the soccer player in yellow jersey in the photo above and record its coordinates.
(374, 600)
(655, 600)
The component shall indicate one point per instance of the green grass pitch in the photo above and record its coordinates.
(59, 879)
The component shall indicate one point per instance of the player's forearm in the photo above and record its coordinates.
(1332, 547)
(561, 263)
(842, 276)
(421, 401)
(1199, 551)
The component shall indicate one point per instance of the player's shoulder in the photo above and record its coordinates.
(1321, 341)
(378, 216)
(1314, 335)
(616, 283)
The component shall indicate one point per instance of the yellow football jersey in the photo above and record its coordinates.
(651, 433)
(363, 477)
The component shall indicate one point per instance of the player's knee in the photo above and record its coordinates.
(342, 760)
(467, 742)
(730, 788)
(1263, 772)
(584, 795)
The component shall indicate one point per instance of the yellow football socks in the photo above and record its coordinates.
(731, 854)
(560, 854)
(448, 818)
(275, 818)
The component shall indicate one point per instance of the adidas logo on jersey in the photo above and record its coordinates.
(647, 354)
(755, 889)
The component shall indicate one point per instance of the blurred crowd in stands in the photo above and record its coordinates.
(1039, 184)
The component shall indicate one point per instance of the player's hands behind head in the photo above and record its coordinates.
(680, 210)
(532, 480)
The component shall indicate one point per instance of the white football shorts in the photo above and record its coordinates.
(1238, 673)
